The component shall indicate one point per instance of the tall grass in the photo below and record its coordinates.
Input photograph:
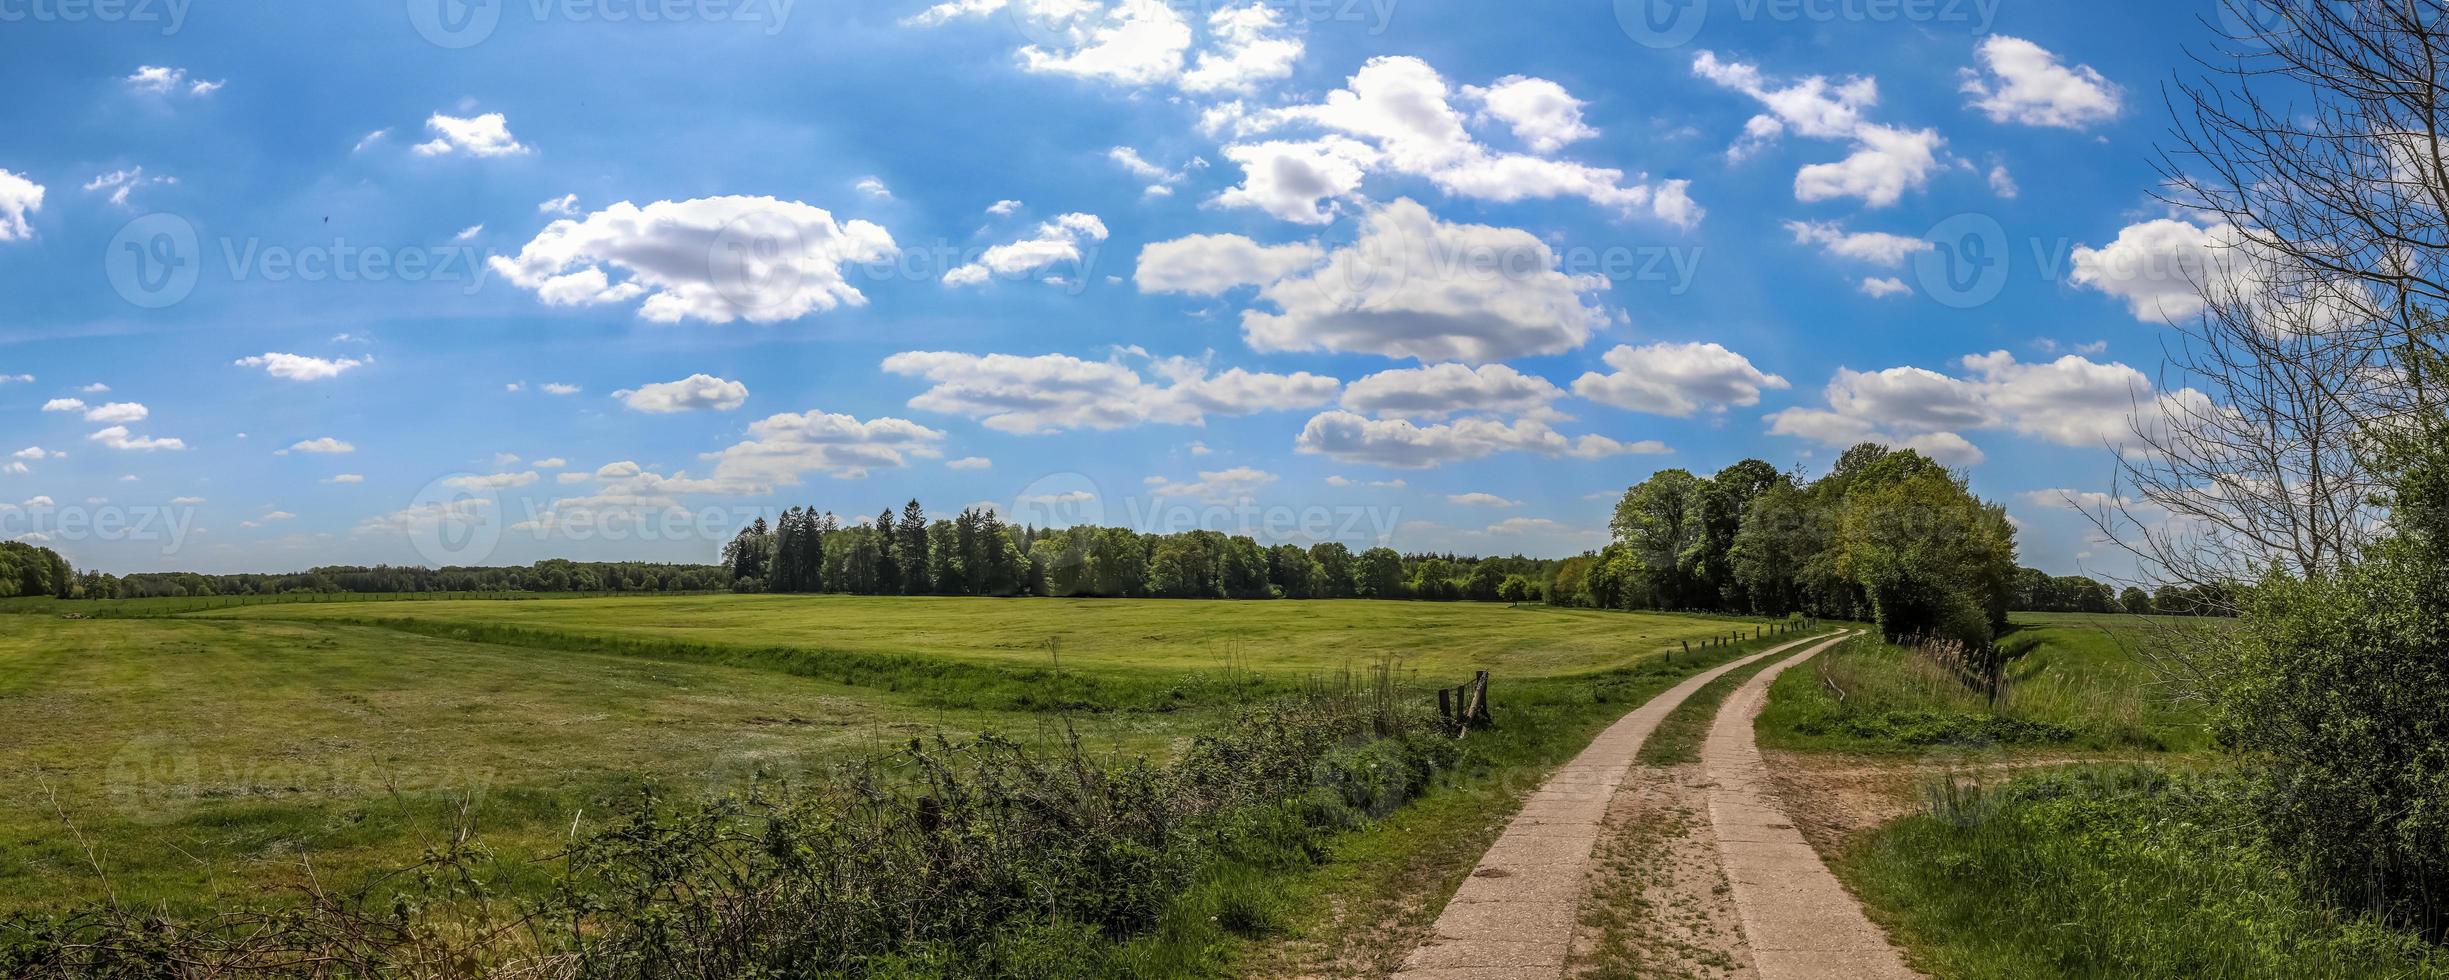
(2068, 687)
(2121, 872)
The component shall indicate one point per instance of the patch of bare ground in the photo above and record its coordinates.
(1836, 798)
(1658, 904)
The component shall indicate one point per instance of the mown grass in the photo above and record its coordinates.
(2125, 872)
(193, 762)
(1285, 639)
(2071, 685)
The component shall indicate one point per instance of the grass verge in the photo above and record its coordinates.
(2114, 872)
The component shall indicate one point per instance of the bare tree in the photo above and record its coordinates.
(2313, 148)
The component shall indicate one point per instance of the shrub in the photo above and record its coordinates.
(2336, 682)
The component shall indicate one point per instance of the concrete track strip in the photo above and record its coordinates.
(1797, 919)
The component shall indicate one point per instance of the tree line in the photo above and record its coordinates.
(1887, 535)
(552, 575)
(976, 553)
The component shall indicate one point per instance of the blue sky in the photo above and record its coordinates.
(436, 281)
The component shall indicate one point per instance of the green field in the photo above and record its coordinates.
(198, 758)
(1171, 636)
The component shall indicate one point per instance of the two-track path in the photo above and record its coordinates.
(1515, 916)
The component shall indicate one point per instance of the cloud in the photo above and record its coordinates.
(167, 80)
(2002, 183)
(695, 393)
(558, 388)
(1884, 287)
(566, 204)
(1443, 390)
(2158, 267)
(1057, 243)
(186, 501)
(1058, 392)
(19, 197)
(486, 135)
(118, 437)
(1215, 486)
(325, 446)
(121, 183)
(2071, 401)
(1160, 180)
(19, 379)
(1410, 286)
(64, 405)
(1476, 499)
(468, 233)
(1399, 443)
(1875, 247)
(873, 186)
(1886, 162)
(493, 481)
(117, 412)
(1140, 43)
(1211, 264)
(1541, 113)
(1250, 47)
(370, 139)
(2027, 85)
(781, 448)
(1676, 379)
(1003, 208)
(1136, 42)
(716, 259)
(1395, 116)
(345, 478)
(299, 367)
(969, 463)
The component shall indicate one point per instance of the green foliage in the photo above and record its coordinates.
(26, 570)
(2335, 683)
(2118, 873)
(1886, 535)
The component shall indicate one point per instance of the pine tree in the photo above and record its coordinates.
(910, 550)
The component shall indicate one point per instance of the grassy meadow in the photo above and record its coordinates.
(191, 757)
(1283, 639)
